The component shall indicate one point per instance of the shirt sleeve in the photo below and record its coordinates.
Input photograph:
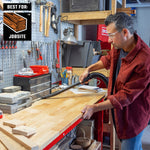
(106, 60)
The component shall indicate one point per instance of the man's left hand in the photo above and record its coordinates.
(87, 111)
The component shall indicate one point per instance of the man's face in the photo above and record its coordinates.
(115, 37)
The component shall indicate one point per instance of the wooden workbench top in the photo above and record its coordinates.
(50, 117)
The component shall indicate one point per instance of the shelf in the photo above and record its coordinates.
(86, 18)
(92, 17)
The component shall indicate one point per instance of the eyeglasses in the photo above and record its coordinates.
(111, 35)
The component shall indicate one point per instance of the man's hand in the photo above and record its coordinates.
(88, 111)
(83, 75)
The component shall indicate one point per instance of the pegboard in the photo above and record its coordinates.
(11, 60)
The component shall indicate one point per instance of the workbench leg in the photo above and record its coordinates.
(112, 137)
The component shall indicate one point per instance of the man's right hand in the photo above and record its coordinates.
(83, 75)
(98, 65)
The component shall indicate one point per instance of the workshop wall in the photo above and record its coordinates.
(11, 60)
(143, 23)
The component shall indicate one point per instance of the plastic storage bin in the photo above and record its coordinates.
(40, 69)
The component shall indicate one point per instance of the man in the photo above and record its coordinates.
(129, 81)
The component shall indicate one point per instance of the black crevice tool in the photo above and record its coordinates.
(90, 76)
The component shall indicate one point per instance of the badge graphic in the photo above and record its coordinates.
(15, 22)
(16, 25)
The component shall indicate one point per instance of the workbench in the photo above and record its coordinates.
(52, 118)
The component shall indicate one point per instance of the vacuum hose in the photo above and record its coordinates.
(90, 76)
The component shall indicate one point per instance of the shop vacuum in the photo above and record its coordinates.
(90, 76)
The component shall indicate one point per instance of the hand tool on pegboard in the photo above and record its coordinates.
(15, 44)
(24, 60)
(45, 23)
(15, 60)
(1, 71)
(48, 20)
(12, 44)
(39, 55)
(41, 19)
(54, 59)
(45, 53)
(41, 3)
(49, 57)
(29, 54)
(32, 47)
(2, 43)
(36, 50)
(55, 19)
(6, 44)
(41, 15)
(9, 44)
(10, 54)
(58, 60)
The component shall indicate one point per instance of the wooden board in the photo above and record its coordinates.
(2, 146)
(24, 130)
(86, 15)
(23, 141)
(11, 145)
(13, 123)
(93, 17)
(50, 117)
